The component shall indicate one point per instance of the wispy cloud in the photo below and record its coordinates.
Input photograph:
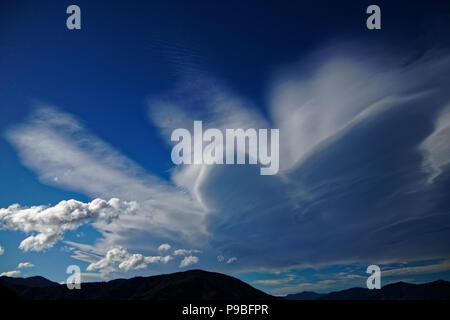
(436, 146)
(327, 107)
(415, 270)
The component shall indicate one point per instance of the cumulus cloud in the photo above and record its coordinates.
(164, 247)
(123, 260)
(13, 273)
(189, 260)
(25, 265)
(50, 223)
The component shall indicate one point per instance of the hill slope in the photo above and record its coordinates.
(202, 285)
(36, 281)
(189, 285)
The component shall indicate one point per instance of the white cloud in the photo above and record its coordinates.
(50, 223)
(135, 261)
(189, 260)
(312, 105)
(164, 247)
(436, 147)
(217, 106)
(231, 260)
(167, 258)
(125, 261)
(13, 273)
(111, 258)
(2, 250)
(321, 105)
(185, 252)
(55, 145)
(25, 265)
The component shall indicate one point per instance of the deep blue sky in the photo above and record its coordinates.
(131, 52)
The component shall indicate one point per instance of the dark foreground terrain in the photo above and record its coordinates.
(189, 285)
(201, 285)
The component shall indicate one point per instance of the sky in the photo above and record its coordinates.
(86, 118)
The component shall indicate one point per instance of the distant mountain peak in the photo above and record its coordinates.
(436, 290)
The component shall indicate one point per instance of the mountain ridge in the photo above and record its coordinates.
(203, 285)
(435, 290)
(187, 285)
(35, 281)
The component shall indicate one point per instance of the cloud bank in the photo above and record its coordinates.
(123, 260)
(50, 223)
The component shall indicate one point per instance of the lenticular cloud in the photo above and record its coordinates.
(48, 224)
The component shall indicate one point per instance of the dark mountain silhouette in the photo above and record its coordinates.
(201, 285)
(437, 290)
(189, 285)
(27, 282)
(305, 295)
